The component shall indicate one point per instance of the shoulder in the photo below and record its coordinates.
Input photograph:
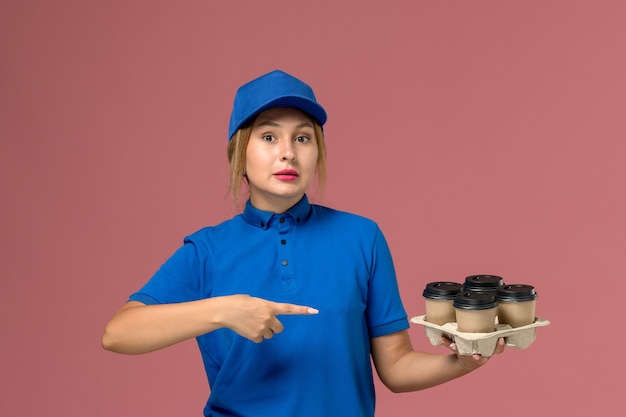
(217, 232)
(343, 218)
(340, 214)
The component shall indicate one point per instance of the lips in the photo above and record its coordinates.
(286, 174)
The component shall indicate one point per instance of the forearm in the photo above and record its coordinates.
(137, 328)
(402, 369)
(418, 370)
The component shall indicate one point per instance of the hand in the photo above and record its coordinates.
(255, 318)
(472, 362)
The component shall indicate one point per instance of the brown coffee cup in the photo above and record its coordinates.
(482, 283)
(516, 304)
(476, 311)
(438, 300)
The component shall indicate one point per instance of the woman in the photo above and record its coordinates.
(329, 275)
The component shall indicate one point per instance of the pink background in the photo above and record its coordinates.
(483, 136)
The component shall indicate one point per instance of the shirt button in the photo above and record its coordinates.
(282, 220)
(283, 242)
(285, 263)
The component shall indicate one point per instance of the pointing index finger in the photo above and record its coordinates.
(285, 308)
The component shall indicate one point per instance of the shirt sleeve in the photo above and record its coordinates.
(179, 279)
(385, 312)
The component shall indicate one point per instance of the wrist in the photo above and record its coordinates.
(215, 312)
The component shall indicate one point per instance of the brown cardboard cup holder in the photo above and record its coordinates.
(481, 343)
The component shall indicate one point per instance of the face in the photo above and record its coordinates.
(281, 158)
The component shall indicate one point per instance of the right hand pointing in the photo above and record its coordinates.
(255, 318)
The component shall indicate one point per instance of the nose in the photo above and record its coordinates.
(288, 151)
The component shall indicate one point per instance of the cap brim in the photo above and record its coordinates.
(304, 104)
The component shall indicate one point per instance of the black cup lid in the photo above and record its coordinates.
(482, 282)
(475, 300)
(516, 293)
(442, 290)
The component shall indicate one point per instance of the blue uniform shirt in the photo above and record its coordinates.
(319, 366)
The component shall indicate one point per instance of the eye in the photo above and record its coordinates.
(268, 138)
(302, 139)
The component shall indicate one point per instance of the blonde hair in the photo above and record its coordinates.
(236, 152)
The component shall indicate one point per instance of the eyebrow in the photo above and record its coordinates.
(272, 123)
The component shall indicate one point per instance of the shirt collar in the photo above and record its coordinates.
(300, 212)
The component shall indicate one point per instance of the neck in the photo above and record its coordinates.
(274, 204)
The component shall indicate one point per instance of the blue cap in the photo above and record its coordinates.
(275, 89)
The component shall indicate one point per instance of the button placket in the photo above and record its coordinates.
(285, 228)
